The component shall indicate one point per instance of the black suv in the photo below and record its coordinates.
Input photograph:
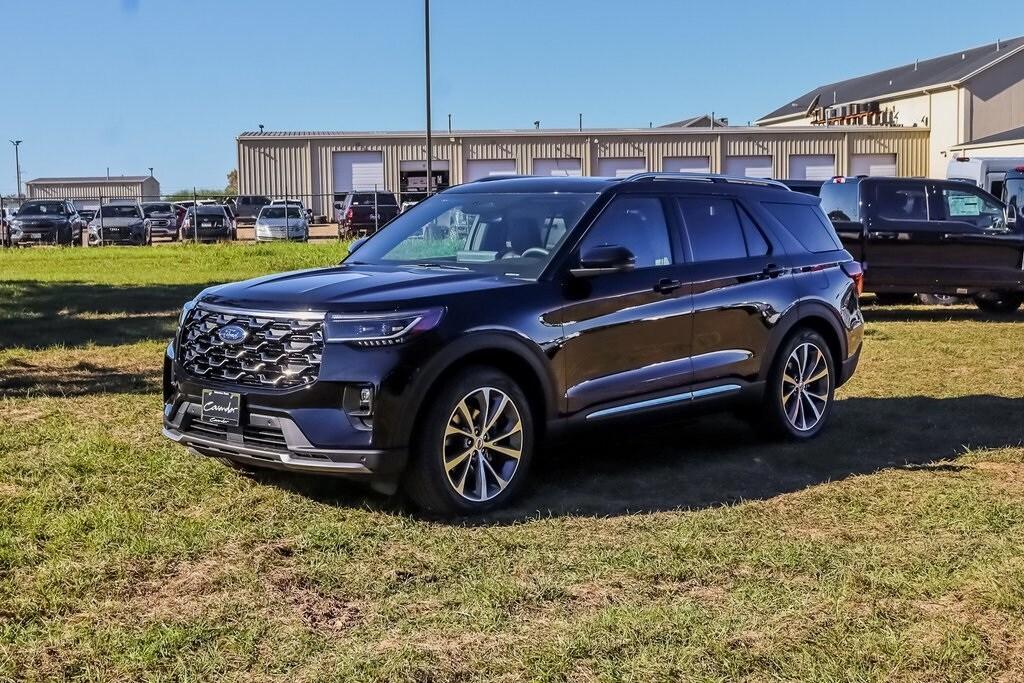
(498, 313)
(47, 221)
(930, 237)
(363, 213)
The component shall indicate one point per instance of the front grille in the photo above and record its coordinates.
(276, 353)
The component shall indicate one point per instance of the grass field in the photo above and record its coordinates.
(892, 548)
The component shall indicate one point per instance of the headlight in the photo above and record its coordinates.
(381, 329)
(17, 225)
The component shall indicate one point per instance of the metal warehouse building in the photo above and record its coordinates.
(322, 165)
(107, 187)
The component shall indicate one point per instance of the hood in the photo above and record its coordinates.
(354, 288)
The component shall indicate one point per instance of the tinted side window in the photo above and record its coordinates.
(757, 245)
(806, 224)
(902, 202)
(971, 207)
(713, 228)
(636, 223)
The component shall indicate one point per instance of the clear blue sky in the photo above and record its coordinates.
(169, 83)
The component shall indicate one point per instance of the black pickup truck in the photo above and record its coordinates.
(363, 213)
(930, 237)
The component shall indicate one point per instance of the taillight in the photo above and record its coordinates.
(856, 273)
(350, 214)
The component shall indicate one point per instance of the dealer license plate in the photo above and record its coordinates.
(221, 407)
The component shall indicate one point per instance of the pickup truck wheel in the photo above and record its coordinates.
(473, 447)
(998, 303)
(801, 388)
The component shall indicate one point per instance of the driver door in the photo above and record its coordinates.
(628, 333)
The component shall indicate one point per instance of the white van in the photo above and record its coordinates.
(985, 172)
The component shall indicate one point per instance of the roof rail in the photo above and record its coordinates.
(705, 177)
(497, 176)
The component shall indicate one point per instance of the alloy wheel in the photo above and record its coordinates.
(805, 387)
(482, 444)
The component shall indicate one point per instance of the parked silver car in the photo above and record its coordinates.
(120, 222)
(280, 222)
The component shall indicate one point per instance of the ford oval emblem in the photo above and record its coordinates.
(232, 334)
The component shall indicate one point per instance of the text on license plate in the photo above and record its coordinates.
(221, 407)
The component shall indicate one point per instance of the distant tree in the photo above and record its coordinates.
(232, 187)
(200, 192)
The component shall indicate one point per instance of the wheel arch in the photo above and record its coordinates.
(809, 315)
(524, 363)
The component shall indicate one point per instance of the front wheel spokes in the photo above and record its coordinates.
(482, 444)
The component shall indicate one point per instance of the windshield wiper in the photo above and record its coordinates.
(446, 266)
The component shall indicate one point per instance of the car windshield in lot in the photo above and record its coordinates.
(502, 233)
(150, 209)
(841, 201)
(277, 212)
(41, 209)
(119, 211)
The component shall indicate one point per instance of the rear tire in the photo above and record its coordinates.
(801, 388)
(473, 446)
(998, 303)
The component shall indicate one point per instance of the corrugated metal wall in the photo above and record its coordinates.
(303, 166)
(88, 191)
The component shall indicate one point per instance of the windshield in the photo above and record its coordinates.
(278, 212)
(42, 209)
(119, 211)
(150, 209)
(1013, 192)
(508, 234)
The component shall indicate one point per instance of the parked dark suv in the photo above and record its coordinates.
(47, 221)
(364, 213)
(930, 237)
(503, 312)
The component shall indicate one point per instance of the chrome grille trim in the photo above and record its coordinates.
(281, 350)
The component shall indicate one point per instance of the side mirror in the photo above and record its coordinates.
(603, 260)
(356, 244)
(1011, 216)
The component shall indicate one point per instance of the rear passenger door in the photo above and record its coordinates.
(733, 269)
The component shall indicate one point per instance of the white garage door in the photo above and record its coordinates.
(873, 164)
(621, 167)
(812, 166)
(481, 168)
(358, 171)
(749, 167)
(559, 167)
(686, 165)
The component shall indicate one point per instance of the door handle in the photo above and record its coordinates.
(667, 285)
(773, 270)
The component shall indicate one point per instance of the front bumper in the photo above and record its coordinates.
(273, 442)
(303, 430)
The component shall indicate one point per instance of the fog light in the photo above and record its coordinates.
(358, 400)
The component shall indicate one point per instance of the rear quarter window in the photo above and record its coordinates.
(807, 224)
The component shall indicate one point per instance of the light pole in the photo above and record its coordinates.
(426, 50)
(17, 164)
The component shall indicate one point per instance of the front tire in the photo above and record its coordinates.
(474, 445)
(801, 388)
(998, 303)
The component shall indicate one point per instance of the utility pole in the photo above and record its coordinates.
(426, 56)
(17, 164)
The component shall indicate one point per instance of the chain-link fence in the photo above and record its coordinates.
(197, 217)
